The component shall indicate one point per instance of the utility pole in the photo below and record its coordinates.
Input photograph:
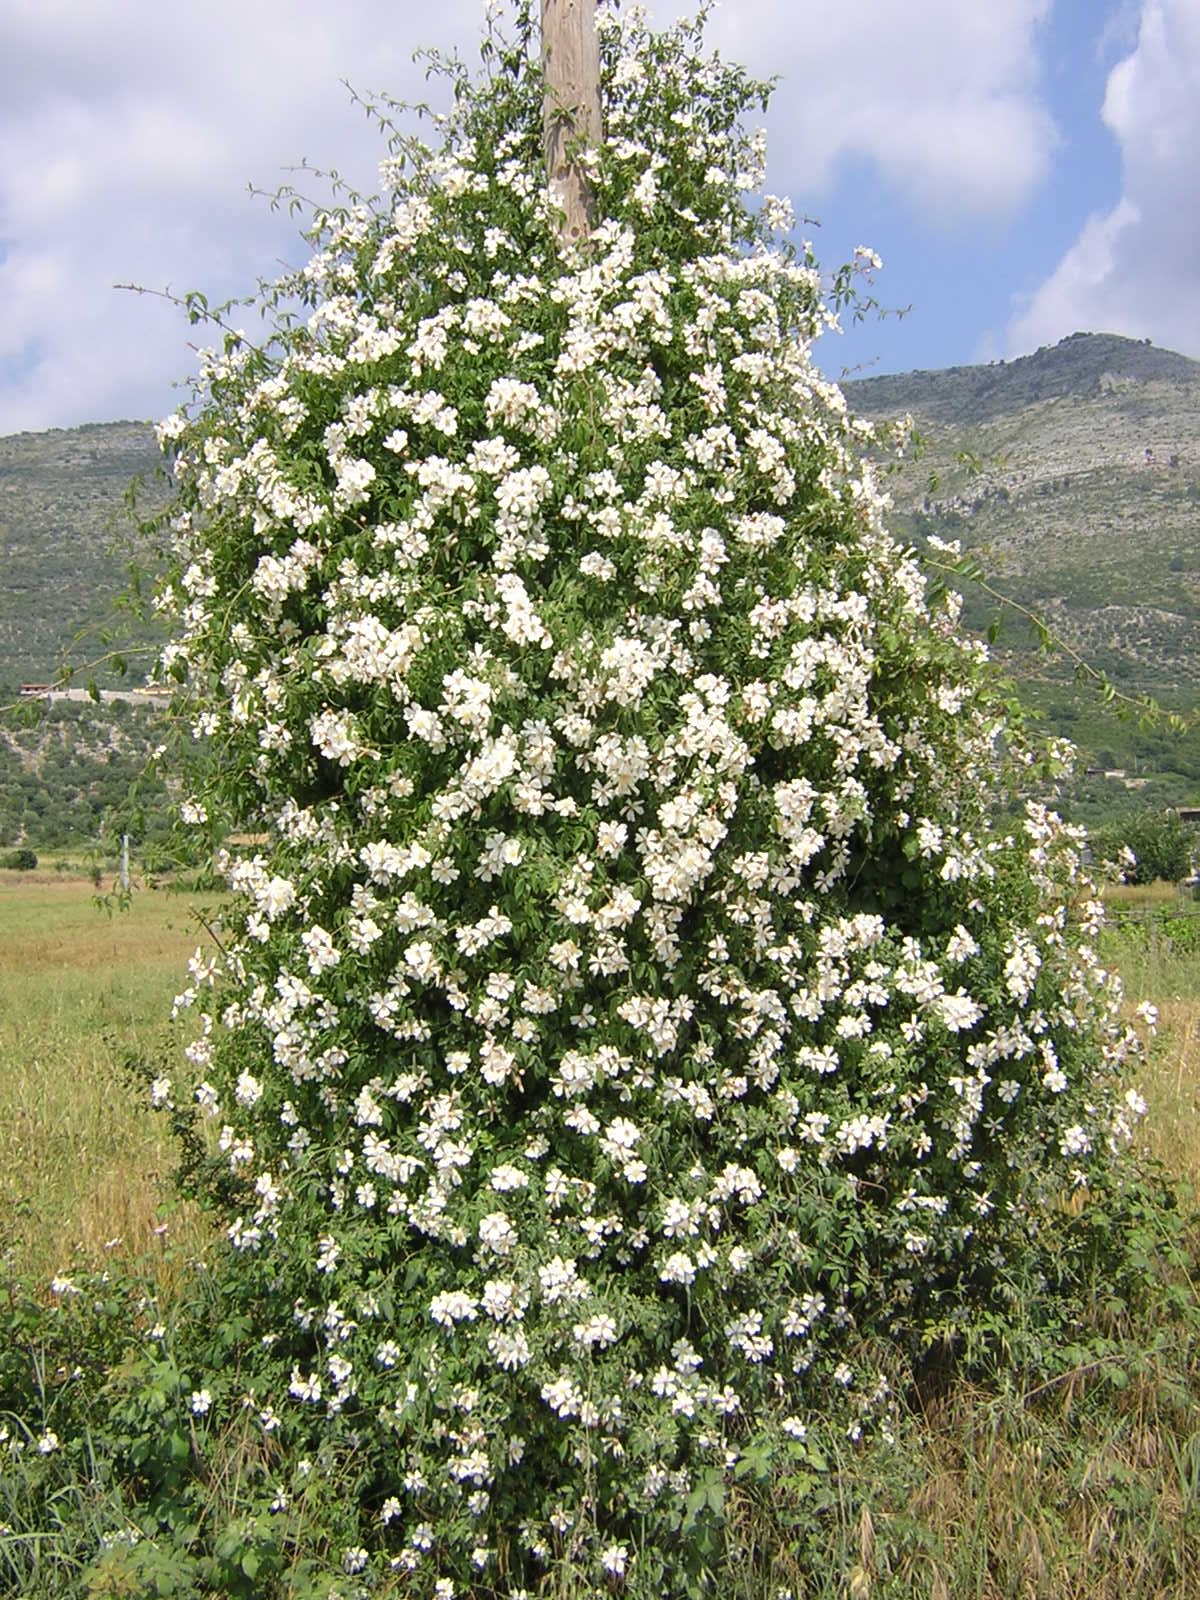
(571, 118)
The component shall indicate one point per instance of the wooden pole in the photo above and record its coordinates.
(571, 58)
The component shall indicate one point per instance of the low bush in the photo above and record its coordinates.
(137, 1457)
(1161, 845)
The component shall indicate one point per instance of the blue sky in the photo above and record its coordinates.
(1025, 168)
(965, 277)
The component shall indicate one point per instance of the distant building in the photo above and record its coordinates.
(138, 694)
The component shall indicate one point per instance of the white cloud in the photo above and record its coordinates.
(1136, 269)
(131, 130)
(941, 96)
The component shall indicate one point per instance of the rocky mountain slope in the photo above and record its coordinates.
(1075, 475)
(66, 540)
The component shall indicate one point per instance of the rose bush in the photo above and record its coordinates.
(631, 1008)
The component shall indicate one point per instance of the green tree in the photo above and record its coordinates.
(1162, 846)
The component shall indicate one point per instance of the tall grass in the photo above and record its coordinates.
(86, 1167)
(1154, 941)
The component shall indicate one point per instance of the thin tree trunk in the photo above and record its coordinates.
(571, 57)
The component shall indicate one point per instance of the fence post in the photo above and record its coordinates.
(571, 114)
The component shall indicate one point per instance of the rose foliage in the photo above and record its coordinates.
(628, 1009)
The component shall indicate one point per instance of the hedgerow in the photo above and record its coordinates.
(631, 1014)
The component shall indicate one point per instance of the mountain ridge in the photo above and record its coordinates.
(1074, 475)
(969, 395)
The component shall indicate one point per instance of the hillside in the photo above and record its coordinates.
(1081, 364)
(80, 772)
(65, 540)
(1074, 474)
(1074, 477)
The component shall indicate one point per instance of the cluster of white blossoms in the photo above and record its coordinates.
(632, 1004)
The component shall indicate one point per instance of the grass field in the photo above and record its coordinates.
(1083, 1488)
(1155, 969)
(87, 1164)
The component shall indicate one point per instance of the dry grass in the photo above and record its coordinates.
(1082, 1489)
(86, 1164)
(1153, 970)
(1052, 1504)
(1171, 1085)
(1142, 894)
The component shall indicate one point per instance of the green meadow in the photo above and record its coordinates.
(86, 991)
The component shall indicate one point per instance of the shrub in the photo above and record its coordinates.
(630, 1009)
(58, 1493)
(23, 860)
(1161, 846)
